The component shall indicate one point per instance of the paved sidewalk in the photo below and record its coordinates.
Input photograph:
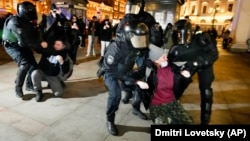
(80, 114)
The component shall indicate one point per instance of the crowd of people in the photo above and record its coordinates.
(152, 65)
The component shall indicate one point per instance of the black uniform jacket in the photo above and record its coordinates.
(20, 31)
(119, 59)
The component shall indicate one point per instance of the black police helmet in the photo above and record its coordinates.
(180, 24)
(137, 34)
(27, 10)
(134, 2)
(134, 6)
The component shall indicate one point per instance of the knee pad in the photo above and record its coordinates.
(21, 74)
(207, 95)
(24, 67)
(206, 100)
(206, 105)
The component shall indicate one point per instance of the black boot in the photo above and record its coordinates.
(21, 74)
(112, 128)
(206, 105)
(39, 95)
(140, 114)
(127, 97)
(19, 91)
(29, 84)
(136, 105)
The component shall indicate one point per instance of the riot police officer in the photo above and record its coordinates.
(199, 53)
(119, 60)
(134, 10)
(19, 36)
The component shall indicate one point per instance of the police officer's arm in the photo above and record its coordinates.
(113, 63)
(209, 54)
(26, 36)
(65, 63)
(135, 77)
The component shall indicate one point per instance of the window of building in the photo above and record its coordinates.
(217, 6)
(1, 3)
(8, 4)
(193, 9)
(184, 10)
(230, 7)
(203, 21)
(204, 9)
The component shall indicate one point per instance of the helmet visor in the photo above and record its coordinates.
(184, 36)
(132, 9)
(139, 41)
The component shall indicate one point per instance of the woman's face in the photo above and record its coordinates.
(59, 45)
(162, 59)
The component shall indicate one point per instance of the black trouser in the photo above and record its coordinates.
(225, 43)
(133, 92)
(114, 96)
(26, 63)
(206, 77)
(73, 53)
(137, 99)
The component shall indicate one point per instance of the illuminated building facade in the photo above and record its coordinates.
(119, 9)
(210, 13)
(115, 9)
(99, 8)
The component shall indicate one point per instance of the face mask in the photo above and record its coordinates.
(164, 64)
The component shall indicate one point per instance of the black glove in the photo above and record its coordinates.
(191, 66)
(129, 82)
(100, 72)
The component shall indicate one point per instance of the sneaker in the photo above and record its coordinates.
(19, 92)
